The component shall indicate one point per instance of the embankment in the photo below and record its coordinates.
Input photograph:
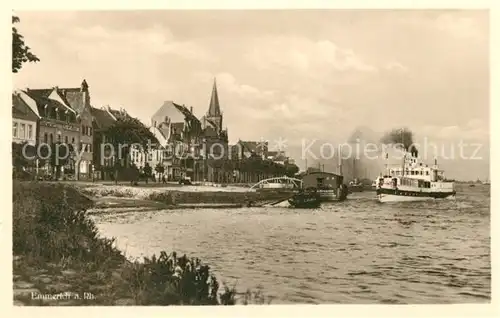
(60, 259)
(183, 197)
(145, 198)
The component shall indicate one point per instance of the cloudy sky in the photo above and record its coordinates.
(290, 74)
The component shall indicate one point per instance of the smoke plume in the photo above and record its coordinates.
(401, 137)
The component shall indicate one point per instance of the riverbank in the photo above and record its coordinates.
(60, 259)
(167, 197)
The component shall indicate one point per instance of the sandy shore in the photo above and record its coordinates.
(138, 192)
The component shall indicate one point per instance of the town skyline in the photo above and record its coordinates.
(263, 76)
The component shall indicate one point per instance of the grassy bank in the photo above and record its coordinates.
(58, 251)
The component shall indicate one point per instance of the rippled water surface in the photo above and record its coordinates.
(358, 251)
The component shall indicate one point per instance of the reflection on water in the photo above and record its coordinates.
(358, 251)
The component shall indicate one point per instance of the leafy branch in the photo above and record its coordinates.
(21, 53)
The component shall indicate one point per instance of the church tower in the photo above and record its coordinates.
(214, 115)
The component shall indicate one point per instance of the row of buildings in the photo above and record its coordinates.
(65, 115)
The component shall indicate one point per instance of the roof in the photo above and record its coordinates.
(68, 98)
(21, 110)
(168, 111)
(164, 128)
(254, 146)
(75, 100)
(160, 136)
(102, 118)
(322, 172)
(41, 99)
(71, 98)
(116, 113)
(214, 107)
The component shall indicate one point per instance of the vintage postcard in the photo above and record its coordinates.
(251, 157)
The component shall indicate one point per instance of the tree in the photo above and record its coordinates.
(22, 160)
(125, 132)
(291, 169)
(147, 171)
(160, 169)
(20, 52)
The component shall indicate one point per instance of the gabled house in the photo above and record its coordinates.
(65, 117)
(24, 120)
(103, 157)
(182, 133)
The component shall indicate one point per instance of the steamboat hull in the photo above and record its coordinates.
(332, 195)
(356, 188)
(390, 195)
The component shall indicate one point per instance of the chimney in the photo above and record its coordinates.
(191, 109)
(84, 89)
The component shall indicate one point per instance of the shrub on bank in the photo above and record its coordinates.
(50, 226)
(169, 280)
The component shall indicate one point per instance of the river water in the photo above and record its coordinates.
(357, 251)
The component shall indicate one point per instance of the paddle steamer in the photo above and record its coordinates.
(413, 181)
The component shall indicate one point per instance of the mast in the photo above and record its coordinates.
(354, 168)
(404, 153)
(340, 163)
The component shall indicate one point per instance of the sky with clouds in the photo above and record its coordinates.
(290, 74)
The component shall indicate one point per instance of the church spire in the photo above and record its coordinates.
(214, 108)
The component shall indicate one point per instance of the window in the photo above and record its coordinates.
(30, 132)
(90, 147)
(45, 138)
(73, 140)
(22, 131)
(83, 130)
(14, 129)
(65, 139)
(427, 173)
(90, 131)
(51, 138)
(58, 137)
